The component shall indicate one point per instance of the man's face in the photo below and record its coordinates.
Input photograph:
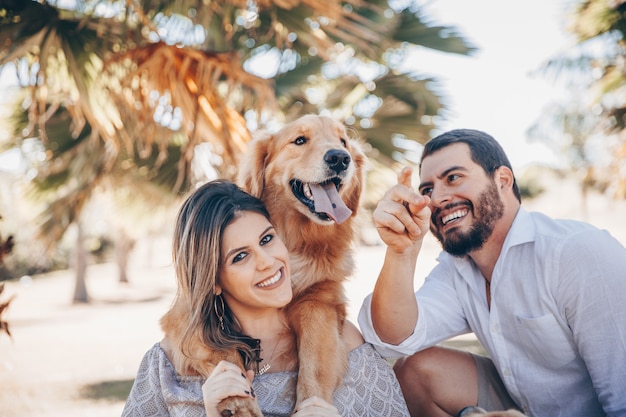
(465, 202)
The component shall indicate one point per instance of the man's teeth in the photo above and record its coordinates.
(452, 216)
(270, 281)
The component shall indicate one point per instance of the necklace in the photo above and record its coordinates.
(268, 364)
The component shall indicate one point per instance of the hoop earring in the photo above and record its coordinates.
(220, 314)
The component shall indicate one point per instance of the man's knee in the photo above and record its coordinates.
(438, 381)
(419, 369)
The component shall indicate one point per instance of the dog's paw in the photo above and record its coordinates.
(239, 407)
(479, 412)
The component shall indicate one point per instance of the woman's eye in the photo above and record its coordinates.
(266, 239)
(239, 257)
(300, 140)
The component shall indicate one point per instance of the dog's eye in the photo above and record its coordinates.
(344, 143)
(300, 140)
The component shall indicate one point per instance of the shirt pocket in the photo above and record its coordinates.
(544, 340)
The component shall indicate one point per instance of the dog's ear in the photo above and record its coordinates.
(251, 174)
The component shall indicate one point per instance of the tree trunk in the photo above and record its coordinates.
(80, 258)
(585, 186)
(124, 244)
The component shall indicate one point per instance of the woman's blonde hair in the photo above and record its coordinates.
(197, 248)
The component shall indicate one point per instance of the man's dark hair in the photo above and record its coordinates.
(484, 150)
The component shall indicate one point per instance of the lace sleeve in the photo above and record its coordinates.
(159, 392)
(370, 387)
(146, 398)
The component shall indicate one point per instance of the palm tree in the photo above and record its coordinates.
(387, 103)
(120, 92)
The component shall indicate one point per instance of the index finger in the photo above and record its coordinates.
(404, 193)
(404, 177)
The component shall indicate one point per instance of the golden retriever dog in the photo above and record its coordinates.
(310, 175)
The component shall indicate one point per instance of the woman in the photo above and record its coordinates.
(238, 270)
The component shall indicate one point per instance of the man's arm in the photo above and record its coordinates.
(402, 219)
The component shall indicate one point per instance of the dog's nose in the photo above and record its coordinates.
(337, 159)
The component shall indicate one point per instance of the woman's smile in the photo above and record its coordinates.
(272, 280)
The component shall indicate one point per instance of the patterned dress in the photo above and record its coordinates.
(369, 389)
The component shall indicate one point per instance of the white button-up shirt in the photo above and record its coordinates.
(556, 330)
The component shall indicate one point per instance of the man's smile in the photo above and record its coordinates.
(457, 214)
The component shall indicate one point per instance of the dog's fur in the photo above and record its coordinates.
(479, 412)
(310, 150)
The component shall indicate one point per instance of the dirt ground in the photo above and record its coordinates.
(78, 360)
(68, 360)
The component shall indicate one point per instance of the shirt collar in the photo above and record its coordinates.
(522, 230)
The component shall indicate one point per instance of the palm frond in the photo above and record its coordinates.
(206, 91)
(413, 30)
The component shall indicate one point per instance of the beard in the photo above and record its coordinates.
(486, 212)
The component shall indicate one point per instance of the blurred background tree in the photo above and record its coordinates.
(590, 128)
(6, 246)
(140, 100)
(576, 127)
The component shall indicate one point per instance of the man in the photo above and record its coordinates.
(546, 298)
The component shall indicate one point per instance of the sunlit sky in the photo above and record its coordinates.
(493, 90)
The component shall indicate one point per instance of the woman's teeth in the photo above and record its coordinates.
(271, 280)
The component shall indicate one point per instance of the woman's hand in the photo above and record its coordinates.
(315, 407)
(225, 381)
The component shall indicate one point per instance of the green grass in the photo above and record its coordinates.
(108, 390)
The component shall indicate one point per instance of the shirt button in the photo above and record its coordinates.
(507, 372)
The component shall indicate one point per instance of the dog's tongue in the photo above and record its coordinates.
(327, 201)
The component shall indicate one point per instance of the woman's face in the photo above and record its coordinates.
(255, 266)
